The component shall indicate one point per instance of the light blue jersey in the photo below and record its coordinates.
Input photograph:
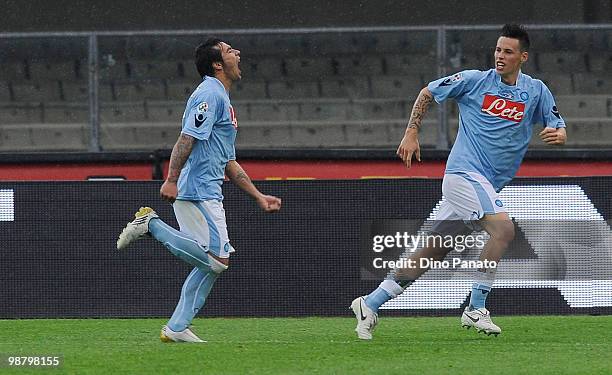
(210, 118)
(495, 121)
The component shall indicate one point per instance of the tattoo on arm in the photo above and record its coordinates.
(239, 177)
(419, 109)
(180, 154)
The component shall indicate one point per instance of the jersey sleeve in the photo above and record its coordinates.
(200, 116)
(546, 112)
(453, 86)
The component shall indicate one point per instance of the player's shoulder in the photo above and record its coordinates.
(528, 81)
(206, 91)
(469, 74)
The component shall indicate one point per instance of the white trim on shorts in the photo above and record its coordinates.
(205, 222)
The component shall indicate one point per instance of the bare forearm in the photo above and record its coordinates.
(180, 153)
(419, 109)
(238, 177)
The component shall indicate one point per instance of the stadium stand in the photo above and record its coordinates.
(299, 90)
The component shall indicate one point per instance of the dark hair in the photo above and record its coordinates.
(206, 54)
(517, 32)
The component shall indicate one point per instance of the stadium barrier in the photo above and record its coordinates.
(60, 260)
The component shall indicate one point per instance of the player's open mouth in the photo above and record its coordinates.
(500, 65)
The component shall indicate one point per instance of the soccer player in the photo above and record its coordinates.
(498, 109)
(200, 159)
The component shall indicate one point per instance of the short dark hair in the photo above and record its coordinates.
(517, 32)
(206, 54)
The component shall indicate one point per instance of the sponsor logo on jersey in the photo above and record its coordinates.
(506, 94)
(452, 79)
(199, 120)
(504, 108)
(555, 112)
(202, 107)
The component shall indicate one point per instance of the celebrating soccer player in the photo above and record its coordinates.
(200, 159)
(498, 109)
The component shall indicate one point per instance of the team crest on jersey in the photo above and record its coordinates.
(504, 108)
(202, 107)
(506, 94)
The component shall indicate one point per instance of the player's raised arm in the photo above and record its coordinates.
(410, 143)
(180, 154)
(238, 176)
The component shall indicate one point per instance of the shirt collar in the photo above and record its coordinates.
(519, 80)
(213, 79)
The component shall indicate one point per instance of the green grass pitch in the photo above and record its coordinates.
(528, 345)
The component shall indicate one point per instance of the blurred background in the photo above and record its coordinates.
(113, 76)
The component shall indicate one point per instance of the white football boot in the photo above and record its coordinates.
(187, 335)
(481, 320)
(366, 318)
(136, 229)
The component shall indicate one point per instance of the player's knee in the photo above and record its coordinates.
(216, 265)
(504, 231)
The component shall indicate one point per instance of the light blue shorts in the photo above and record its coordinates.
(204, 221)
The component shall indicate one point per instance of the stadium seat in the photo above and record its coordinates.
(79, 92)
(5, 92)
(249, 89)
(600, 62)
(132, 91)
(292, 89)
(121, 112)
(263, 135)
(463, 61)
(558, 83)
(180, 90)
(405, 64)
(357, 65)
(356, 87)
(566, 62)
(167, 112)
(117, 70)
(588, 83)
(138, 136)
(318, 134)
(308, 68)
(370, 109)
(324, 110)
(584, 106)
(267, 111)
(261, 68)
(66, 113)
(396, 87)
(154, 69)
(53, 71)
(37, 91)
(371, 134)
(13, 71)
(20, 113)
(50, 137)
(187, 70)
